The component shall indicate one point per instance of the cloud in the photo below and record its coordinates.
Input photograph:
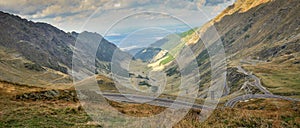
(213, 2)
(70, 15)
(48, 8)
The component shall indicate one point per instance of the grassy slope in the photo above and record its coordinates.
(13, 69)
(36, 113)
(279, 79)
(256, 113)
(168, 59)
(260, 34)
(59, 113)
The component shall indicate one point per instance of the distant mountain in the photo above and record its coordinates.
(170, 45)
(147, 54)
(105, 52)
(134, 51)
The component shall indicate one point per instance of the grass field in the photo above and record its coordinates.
(168, 59)
(279, 79)
(60, 113)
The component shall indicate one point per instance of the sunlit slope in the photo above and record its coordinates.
(266, 32)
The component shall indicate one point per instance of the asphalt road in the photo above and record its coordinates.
(169, 103)
(234, 101)
(257, 83)
(163, 102)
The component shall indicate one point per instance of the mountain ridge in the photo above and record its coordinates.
(267, 32)
(41, 48)
(263, 33)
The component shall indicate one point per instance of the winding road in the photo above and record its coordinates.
(267, 94)
(257, 81)
(232, 102)
(177, 104)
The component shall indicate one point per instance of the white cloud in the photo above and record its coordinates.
(70, 15)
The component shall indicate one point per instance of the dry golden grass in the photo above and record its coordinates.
(7, 88)
(59, 113)
(54, 113)
(240, 6)
(256, 113)
(138, 110)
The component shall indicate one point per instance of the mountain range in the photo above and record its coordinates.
(261, 41)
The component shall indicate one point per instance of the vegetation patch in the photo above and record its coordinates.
(168, 59)
(279, 79)
(189, 32)
(34, 67)
(144, 83)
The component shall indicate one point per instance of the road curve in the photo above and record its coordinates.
(257, 81)
(232, 102)
(267, 94)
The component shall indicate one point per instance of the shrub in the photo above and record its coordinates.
(34, 67)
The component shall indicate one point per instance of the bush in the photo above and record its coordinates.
(172, 71)
(247, 27)
(247, 36)
(59, 68)
(142, 83)
(34, 67)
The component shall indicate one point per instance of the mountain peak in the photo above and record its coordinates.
(240, 6)
(94, 34)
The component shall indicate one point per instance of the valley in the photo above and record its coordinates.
(245, 75)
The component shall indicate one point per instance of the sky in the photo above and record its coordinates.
(118, 18)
